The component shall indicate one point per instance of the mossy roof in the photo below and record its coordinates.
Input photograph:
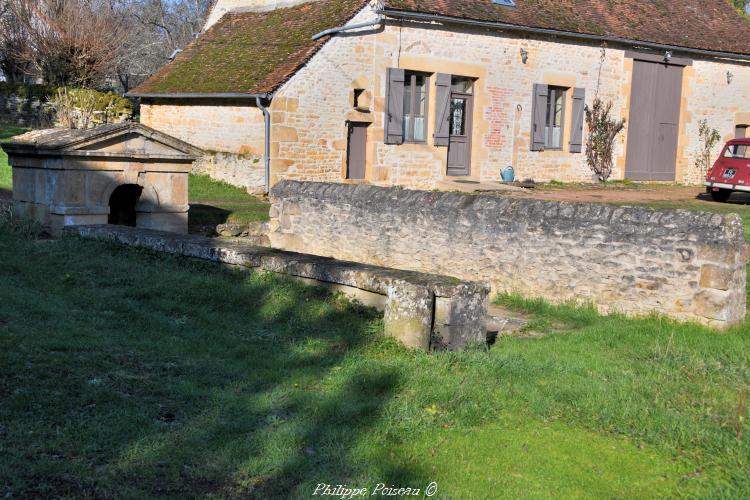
(256, 52)
(250, 52)
(713, 25)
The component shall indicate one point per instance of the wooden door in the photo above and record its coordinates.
(459, 140)
(654, 120)
(355, 150)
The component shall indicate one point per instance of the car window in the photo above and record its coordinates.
(737, 151)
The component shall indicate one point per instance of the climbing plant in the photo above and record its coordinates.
(600, 142)
(709, 136)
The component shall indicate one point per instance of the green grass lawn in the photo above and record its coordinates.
(6, 132)
(129, 374)
(214, 202)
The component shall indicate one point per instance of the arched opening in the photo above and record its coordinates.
(122, 204)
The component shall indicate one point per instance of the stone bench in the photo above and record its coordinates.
(424, 311)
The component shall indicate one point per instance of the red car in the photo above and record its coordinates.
(731, 172)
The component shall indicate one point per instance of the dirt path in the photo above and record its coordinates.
(625, 194)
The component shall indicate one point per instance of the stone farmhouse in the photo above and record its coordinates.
(419, 94)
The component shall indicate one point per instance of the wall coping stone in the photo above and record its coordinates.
(411, 296)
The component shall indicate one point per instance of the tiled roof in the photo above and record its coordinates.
(701, 24)
(256, 52)
(251, 52)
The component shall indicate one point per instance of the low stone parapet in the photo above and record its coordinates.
(424, 311)
(685, 264)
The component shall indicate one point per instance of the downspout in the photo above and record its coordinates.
(267, 145)
(339, 29)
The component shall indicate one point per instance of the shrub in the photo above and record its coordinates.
(709, 136)
(82, 108)
(600, 143)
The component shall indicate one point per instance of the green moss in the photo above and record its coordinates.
(251, 52)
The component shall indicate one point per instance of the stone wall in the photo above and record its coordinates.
(230, 131)
(309, 113)
(26, 111)
(688, 265)
(502, 103)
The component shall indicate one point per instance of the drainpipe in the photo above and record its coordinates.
(267, 145)
(339, 29)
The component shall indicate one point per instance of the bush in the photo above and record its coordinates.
(709, 136)
(82, 108)
(600, 142)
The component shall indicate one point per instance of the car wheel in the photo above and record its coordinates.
(721, 195)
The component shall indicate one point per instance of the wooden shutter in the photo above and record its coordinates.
(441, 136)
(576, 130)
(394, 111)
(538, 116)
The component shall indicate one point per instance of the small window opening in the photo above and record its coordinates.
(740, 131)
(122, 204)
(553, 131)
(415, 107)
(357, 98)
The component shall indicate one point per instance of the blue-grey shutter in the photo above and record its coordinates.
(538, 116)
(394, 108)
(576, 130)
(441, 137)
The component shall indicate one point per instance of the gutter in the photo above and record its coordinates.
(339, 29)
(267, 143)
(419, 16)
(198, 95)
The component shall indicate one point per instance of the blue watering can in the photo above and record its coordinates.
(507, 174)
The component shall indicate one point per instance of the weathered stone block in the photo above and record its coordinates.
(718, 277)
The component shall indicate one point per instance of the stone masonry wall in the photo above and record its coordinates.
(231, 133)
(309, 126)
(309, 113)
(688, 265)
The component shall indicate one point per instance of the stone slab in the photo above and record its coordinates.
(409, 297)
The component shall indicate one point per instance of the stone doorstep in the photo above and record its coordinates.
(423, 311)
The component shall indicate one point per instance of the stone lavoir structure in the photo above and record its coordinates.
(687, 265)
(124, 174)
(415, 93)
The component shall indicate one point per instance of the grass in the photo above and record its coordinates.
(131, 374)
(6, 132)
(214, 202)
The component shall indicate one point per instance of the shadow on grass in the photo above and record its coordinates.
(125, 373)
(203, 219)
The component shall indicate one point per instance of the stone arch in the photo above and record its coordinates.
(122, 203)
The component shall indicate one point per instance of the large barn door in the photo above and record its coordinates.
(654, 120)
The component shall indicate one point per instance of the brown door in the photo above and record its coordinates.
(654, 119)
(355, 150)
(459, 140)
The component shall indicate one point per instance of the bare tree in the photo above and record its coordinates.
(93, 43)
(69, 42)
(157, 29)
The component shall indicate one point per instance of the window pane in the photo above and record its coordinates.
(558, 108)
(461, 85)
(458, 111)
(553, 130)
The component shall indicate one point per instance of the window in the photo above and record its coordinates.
(415, 107)
(357, 97)
(740, 131)
(553, 126)
(737, 151)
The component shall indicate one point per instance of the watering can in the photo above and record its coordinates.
(507, 174)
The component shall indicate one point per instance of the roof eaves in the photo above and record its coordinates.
(423, 16)
(200, 95)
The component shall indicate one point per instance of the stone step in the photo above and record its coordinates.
(502, 321)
